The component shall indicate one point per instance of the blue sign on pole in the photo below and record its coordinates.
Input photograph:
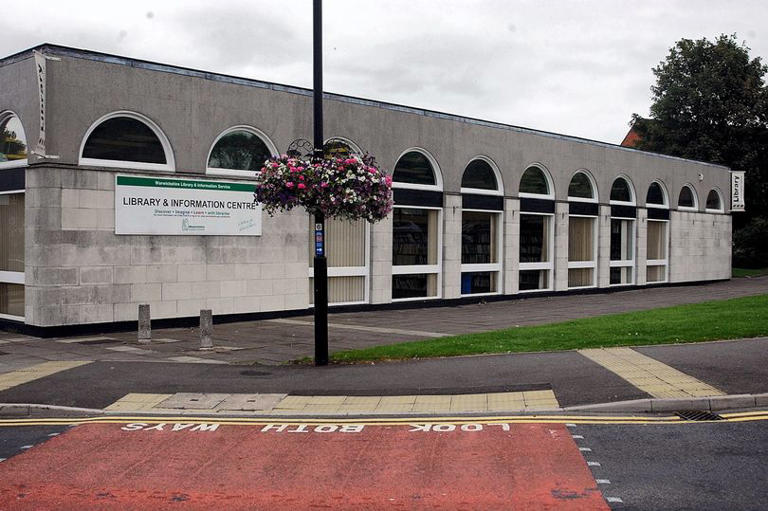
(319, 245)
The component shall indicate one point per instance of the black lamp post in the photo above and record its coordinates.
(321, 263)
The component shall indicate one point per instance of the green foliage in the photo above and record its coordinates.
(721, 319)
(750, 244)
(710, 103)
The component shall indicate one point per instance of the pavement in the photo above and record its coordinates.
(245, 374)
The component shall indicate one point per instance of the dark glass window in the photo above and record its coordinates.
(124, 139)
(534, 279)
(534, 181)
(686, 198)
(655, 195)
(13, 143)
(239, 150)
(410, 236)
(534, 238)
(412, 286)
(581, 187)
(478, 243)
(620, 190)
(414, 168)
(478, 282)
(713, 200)
(336, 148)
(479, 174)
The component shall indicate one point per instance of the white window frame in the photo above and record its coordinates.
(352, 271)
(664, 195)
(550, 195)
(595, 198)
(5, 115)
(438, 186)
(488, 267)
(214, 171)
(721, 209)
(352, 145)
(625, 263)
(632, 193)
(168, 166)
(658, 262)
(428, 269)
(12, 277)
(547, 265)
(482, 191)
(695, 199)
(586, 264)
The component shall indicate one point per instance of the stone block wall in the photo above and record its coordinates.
(700, 246)
(79, 271)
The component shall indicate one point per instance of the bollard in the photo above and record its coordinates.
(206, 329)
(145, 325)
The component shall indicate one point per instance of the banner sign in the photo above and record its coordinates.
(737, 190)
(40, 67)
(158, 205)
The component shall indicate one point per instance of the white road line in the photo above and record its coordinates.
(577, 437)
(593, 463)
(569, 425)
(603, 481)
(2, 460)
(26, 446)
(53, 434)
(585, 449)
(614, 500)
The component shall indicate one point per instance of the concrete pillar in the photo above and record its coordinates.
(604, 247)
(642, 247)
(561, 246)
(206, 329)
(452, 246)
(511, 266)
(145, 326)
(381, 261)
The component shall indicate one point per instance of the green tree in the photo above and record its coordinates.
(710, 103)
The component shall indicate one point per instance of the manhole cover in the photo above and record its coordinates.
(698, 415)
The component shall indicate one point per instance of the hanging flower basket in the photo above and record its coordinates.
(351, 188)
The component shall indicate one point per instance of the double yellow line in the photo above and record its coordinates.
(395, 421)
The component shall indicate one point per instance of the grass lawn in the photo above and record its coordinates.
(749, 272)
(720, 319)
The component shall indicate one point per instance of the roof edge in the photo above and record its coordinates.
(68, 51)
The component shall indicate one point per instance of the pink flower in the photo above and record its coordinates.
(324, 184)
(302, 186)
(289, 184)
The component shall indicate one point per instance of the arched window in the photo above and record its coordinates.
(535, 182)
(687, 199)
(414, 168)
(714, 202)
(657, 234)
(13, 142)
(416, 228)
(656, 197)
(479, 176)
(581, 187)
(128, 140)
(621, 191)
(582, 232)
(340, 148)
(241, 150)
(622, 244)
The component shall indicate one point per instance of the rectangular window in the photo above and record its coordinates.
(622, 251)
(480, 266)
(12, 255)
(415, 253)
(657, 259)
(535, 252)
(346, 248)
(582, 256)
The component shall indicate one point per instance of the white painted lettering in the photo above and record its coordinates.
(326, 428)
(420, 427)
(158, 427)
(269, 427)
(471, 427)
(352, 428)
(301, 428)
(205, 427)
(135, 426)
(504, 427)
(180, 427)
(443, 427)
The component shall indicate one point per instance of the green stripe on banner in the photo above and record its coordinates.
(184, 184)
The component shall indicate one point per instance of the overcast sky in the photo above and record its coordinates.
(574, 67)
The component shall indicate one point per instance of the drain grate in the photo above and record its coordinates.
(699, 415)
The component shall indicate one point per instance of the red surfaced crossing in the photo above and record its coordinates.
(189, 466)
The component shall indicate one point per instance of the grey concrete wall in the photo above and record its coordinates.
(700, 246)
(18, 93)
(78, 271)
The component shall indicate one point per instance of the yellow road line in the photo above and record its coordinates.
(35, 372)
(649, 375)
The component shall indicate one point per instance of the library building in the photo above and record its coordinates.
(127, 182)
